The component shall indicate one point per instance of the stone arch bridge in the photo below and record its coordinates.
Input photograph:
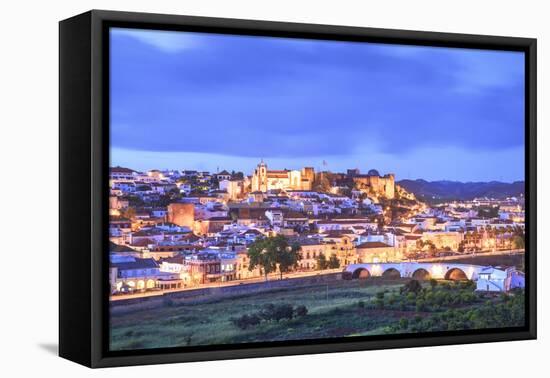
(420, 271)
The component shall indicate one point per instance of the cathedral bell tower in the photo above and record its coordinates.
(259, 182)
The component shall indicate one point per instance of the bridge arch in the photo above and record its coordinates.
(361, 273)
(456, 274)
(421, 274)
(391, 273)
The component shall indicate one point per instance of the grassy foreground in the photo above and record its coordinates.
(339, 308)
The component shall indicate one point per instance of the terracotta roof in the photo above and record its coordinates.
(113, 247)
(147, 232)
(252, 232)
(344, 221)
(143, 242)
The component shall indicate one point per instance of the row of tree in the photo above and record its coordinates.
(331, 263)
(274, 254)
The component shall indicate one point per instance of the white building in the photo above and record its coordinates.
(275, 217)
(493, 279)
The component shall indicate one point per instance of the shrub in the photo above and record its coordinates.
(467, 285)
(267, 312)
(277, 312)
(284, 311)
(301, 311)
(429, 297)
(246, 321)
(413, 286)
(433, 283)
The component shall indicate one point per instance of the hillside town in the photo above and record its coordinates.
(177, 229)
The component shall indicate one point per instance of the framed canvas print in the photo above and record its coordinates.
(234, 188)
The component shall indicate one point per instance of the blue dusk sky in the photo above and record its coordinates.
(206, 101)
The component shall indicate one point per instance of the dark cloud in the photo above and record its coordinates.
(252, 96)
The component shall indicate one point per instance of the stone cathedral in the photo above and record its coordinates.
(264, 179)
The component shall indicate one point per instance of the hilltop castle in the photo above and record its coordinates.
(373, 182)
(264, 179)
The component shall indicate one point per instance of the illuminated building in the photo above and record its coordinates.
(264, 179)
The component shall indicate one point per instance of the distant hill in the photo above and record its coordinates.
(436, 191)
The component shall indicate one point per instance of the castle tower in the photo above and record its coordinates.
(259, 179)
(308, 177)
(390, 186)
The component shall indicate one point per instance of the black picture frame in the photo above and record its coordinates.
(83, 180)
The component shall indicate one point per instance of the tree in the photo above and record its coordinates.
(214, 182)
(345, 191)
(283, 311)
(333, 262)
(246, 321)
(237, 175)
(286, 256)
(322, 262)
(128, 213)
(262, 255)
(277, 312)
(413, 286)
(487, 211)
(300, 311)
(518, 242)
(273, 252)
(431, 247)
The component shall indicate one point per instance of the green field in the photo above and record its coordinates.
(334, 309)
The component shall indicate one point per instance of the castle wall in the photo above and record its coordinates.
(264, 180)
(381, 185)
(182, 214)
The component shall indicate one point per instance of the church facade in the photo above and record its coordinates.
(264, 179)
